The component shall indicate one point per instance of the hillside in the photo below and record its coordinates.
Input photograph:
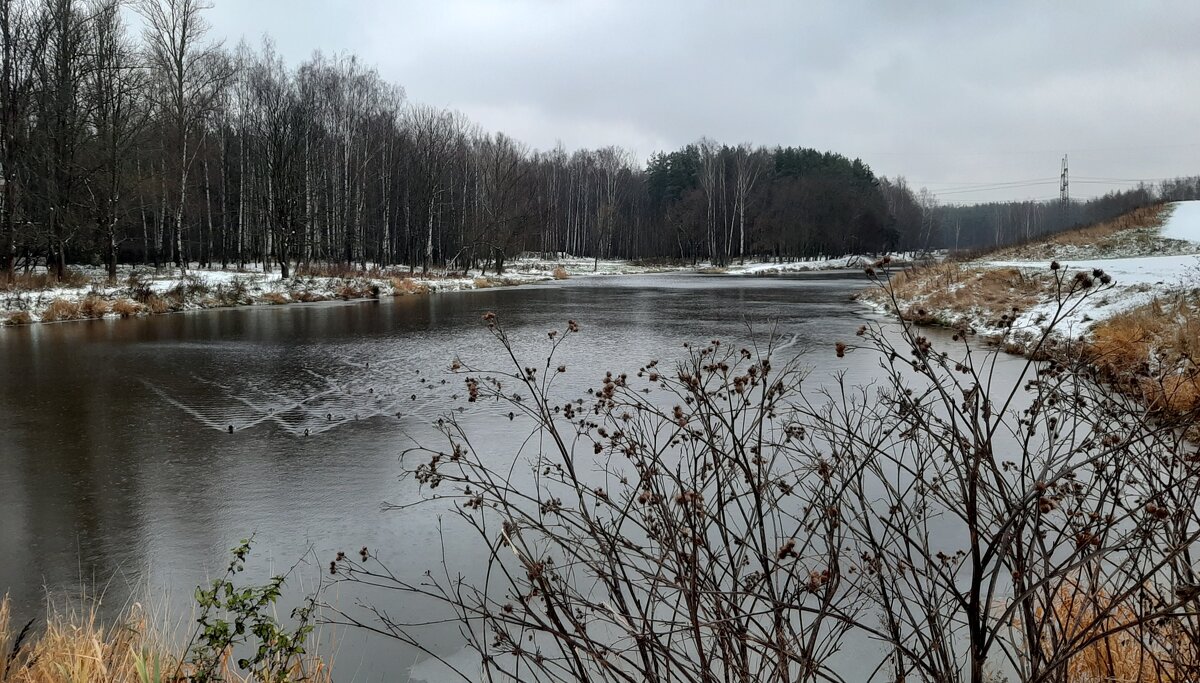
(1124, 295)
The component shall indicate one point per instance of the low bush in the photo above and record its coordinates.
(94, 306)
(408, 286)
(560, 273)
(126, 307)
(61, 309)
(156, 304)
(275, 298)
(19, 318)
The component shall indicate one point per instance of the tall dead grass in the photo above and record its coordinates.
(74, 644)
(943, 293)
(1151, 350)
(60, 309)
(28, 282)
(1124, 649)
(1098, 237)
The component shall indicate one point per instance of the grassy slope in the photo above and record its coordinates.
(1147, 347)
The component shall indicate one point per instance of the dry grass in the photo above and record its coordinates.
(61, 309)
(1149, 653)
(944, 293)
(1136, 229)
(341, 271)
(407, 285)
(19, 318)
(308, 296)
(482, 283)
(26, 282)
(1151, 351)
(157, 305)
(126, 308)
(356, 289)
(94, 307)
(560, 273)
(74, 644)
(275, 298)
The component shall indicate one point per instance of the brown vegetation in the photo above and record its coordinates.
(275, 298)
(408, 286)
(27, 282)
(157, 305)
(19, 318)
(60, 309)
(560, 273)
(946, 293)
(74, 644)
(94, 306)
(1151, 351)
(126, 308)
(1137, 229)
(1146, 653)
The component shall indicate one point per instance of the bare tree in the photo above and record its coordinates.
(191, 76)
(115, 85)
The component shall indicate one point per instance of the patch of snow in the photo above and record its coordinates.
(1184, 222)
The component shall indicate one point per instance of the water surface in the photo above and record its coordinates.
(119, 473)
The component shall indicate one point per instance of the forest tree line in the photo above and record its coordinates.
(130, 136)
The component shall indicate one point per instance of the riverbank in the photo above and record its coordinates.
(88, 294)
(1123, 295)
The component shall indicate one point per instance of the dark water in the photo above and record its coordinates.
(118, 473)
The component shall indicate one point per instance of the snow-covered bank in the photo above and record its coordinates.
(985, 294)
(847, 262)
(88, 294)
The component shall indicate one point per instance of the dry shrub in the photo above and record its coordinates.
(342, 271)
(308, 296)
(156, 304)
(1145, 217)
(60, 309)
(1158, 653)
(482, 283)
(560, 273)
(26, 282)
(275, 298)
(94, 307)
(1151, 350)
(944, 292)
(75, 644)
(1133, 228)
(408, 286)
(19, 318)
(126, 308)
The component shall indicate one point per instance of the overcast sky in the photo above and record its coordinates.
(952, 95)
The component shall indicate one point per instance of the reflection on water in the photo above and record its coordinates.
(119, 469)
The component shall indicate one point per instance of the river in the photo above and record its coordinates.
(119, 473)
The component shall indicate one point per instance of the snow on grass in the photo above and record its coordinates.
(1138, 278)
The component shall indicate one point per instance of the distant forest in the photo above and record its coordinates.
(158, 145)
